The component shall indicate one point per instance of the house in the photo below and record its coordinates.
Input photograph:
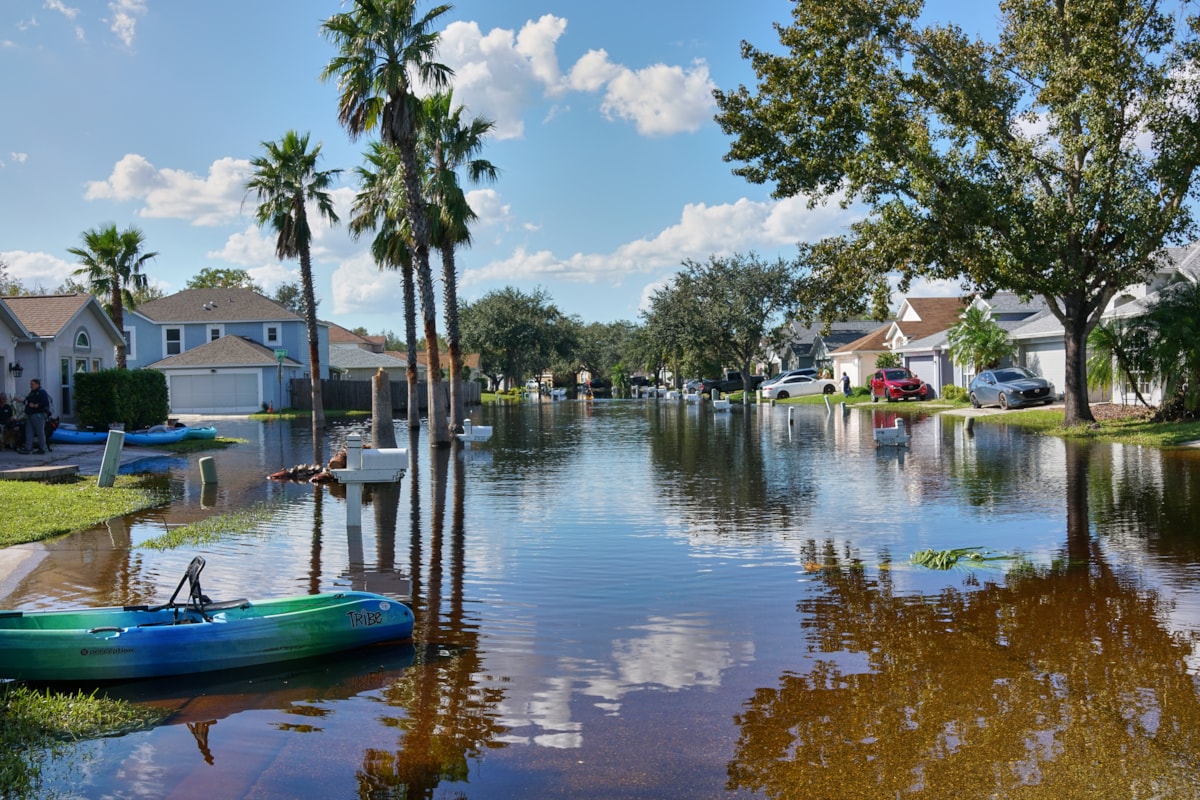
(182, 334)
(812, 345)
(1175, 265)
(54, 337)
(929, 357)
(917, 318)
(344, 337)
(352, 363)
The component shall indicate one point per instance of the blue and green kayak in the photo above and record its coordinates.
(100, 644)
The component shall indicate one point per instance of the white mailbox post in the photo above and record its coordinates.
(385, 465)
(474, 433)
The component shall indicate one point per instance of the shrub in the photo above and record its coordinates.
(954, 393)
(136, 398)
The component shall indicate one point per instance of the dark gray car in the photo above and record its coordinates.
(1010, 387)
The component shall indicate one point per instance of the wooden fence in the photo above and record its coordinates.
(346, 395)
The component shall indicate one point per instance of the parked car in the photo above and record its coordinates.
(1010, 387)
(639, 380)
(732, 382)
(797, 386)
(897, 383)
(809, 371)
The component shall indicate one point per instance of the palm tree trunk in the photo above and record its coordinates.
(439, 434)
(314, 357)
(450, 302)
(410, 340)
(118, 318)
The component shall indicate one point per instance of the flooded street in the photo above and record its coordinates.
(644, 599)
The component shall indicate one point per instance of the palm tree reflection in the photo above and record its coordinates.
(445, 719)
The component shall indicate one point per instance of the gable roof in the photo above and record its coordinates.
(872, 342)
(922, 316)
(345, 336)
(216, 305)
(802, 339)
(228, 351)
(347, 357)
(47, 315)
(1185, 259)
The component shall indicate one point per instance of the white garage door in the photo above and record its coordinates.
(215, 393)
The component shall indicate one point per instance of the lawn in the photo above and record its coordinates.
(36, 511)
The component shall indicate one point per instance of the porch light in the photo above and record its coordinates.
(16, 369)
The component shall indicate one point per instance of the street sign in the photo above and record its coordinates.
(280, 355)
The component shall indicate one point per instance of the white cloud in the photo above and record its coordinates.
(360, 287)
(249, 248)
(501, 73)
(62, 8)
(37, 270)
(660, 100)
(491, 212)
(175, 194)
(702, 230)
(19, 158)
(124, 19)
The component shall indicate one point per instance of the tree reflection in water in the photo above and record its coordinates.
(445, 719)
(1050, 683)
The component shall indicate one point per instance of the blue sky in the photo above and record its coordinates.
(146, 113)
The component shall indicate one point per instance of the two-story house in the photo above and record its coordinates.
(229, 351)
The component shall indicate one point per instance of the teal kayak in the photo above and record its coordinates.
(100, 644)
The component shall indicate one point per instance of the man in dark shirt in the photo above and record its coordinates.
(37, 406)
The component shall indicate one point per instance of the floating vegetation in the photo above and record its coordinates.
(214, 529)
(948, 559)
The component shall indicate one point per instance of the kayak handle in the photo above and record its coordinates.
(106, 629)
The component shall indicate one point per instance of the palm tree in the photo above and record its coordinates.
(380, 206)
(285, 179)
(977, 341)
(1113, 346)
(1171, 326)
(448, 146)
(112, 262)
(384, 50)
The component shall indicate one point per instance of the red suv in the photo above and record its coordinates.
(897, 383)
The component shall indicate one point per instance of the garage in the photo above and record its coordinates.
(925, 368)
(225, 392)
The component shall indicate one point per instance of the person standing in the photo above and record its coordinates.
(845, 384)
(37, 406)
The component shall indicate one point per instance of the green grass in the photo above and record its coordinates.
(35, 726)
(299, 413)
(35, 511)
(196, 445)
(214, 529)
(1127, 431)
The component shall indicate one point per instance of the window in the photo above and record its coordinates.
(174, 341)
(96, 365)
(131, 344)
(215, 332)
(271, 335)
(83, 341)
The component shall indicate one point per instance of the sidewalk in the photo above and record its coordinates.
(64, 460)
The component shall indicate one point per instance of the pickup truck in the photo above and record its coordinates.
(732, 382)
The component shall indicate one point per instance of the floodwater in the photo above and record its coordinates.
(644, 599)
